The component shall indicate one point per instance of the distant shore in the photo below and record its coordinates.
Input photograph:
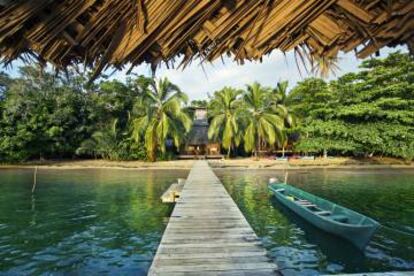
(240, 163)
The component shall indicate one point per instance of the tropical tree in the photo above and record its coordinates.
(324, 65)
(278, 100)
(225, 112)
(42, 116)
(265, 121)
(279, 93)
(103, 143)
(159, 115)
(5, 81)
(199, 103)
(365, 113)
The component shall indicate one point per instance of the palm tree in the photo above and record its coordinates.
(225, 110)
(324, 65)
(103, 143)
(160, 116)
(279, 94)
(278, 98)
(264, 123)
(319, 65)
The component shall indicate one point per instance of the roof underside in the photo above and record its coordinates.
(99, 33)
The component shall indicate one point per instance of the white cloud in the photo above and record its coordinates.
(197, 82)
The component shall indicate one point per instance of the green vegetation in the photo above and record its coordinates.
(361, 114)
(225, 109)
(160, 116)
(265, 118)
(48, 115)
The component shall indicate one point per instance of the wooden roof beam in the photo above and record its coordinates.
(355, 10)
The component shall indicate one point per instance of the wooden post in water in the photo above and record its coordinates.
(34, 180)
(286, 177)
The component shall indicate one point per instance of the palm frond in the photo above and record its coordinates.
(250, 138)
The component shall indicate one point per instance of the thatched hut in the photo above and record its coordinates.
(197, 143)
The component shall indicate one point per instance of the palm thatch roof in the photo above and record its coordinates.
(100, 33)
(198, 134)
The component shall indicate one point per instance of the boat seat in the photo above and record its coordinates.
(323, 213)
(307, 205)
(303, 202)
(339, 218)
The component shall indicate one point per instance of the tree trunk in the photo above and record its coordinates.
(325, 153)
(152, 154)
(229, 152)
(257, 146)
(283, 151)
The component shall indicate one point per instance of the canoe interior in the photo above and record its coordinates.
(322, 207)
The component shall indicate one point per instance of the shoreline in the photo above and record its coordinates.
(236, 164)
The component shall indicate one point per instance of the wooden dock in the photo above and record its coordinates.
(208, 235)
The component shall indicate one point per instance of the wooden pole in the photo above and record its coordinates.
(34, 180)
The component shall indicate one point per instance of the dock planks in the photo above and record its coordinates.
(208, 235)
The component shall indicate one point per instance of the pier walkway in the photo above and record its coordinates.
(208, 235)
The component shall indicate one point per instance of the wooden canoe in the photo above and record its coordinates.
(327, 215)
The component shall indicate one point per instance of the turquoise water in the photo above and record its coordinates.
(111, 221)
(83, 221)
(298, 247)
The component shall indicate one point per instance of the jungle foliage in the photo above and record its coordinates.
(48, 115)
(370, 112)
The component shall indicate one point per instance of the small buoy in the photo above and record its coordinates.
(273, 180)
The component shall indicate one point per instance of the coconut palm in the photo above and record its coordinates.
(278, 99)
(265, 124)
(279, 94)
(160, 116)
(225, 111)
(324, 65)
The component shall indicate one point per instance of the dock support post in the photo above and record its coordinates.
(34, 180)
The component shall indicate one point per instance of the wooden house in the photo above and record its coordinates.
(198, 145)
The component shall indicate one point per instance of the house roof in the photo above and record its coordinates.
(198, 135)
(100, 33)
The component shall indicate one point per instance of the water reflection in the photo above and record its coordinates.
(297, 246)
(83, 221)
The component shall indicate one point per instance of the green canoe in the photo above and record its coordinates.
(327, 215)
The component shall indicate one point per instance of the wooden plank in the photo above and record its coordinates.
(201, 266)
(258, 272)
(355, 10)
(232, 248)
(236, 254)
(213, 260)
(207, 234)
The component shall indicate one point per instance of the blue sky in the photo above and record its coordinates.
(275, 67)
(197, 82)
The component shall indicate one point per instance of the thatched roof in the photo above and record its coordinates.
(99, 33)
(198, 134)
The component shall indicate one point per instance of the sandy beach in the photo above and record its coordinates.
(240, 163)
